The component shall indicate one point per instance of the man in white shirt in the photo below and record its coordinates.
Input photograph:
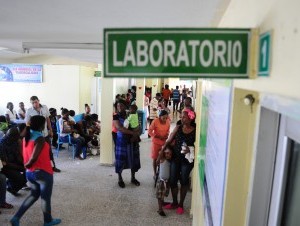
(39, 109)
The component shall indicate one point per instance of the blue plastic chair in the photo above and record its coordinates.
(59, 142)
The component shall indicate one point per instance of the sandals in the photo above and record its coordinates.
(6, 206)
(121, 184)
(179, 210)
(135, 182)
(170, 206)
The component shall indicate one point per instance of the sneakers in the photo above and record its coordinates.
(15, 221)
(53, 222)
(56, 170)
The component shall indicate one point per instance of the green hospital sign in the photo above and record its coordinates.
(207, 53)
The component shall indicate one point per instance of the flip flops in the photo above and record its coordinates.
(170, 206)
(179, 210)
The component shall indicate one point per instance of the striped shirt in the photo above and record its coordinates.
(176, 95)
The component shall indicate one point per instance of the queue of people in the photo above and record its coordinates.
(172, 154)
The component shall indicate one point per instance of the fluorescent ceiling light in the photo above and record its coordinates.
(61, 45)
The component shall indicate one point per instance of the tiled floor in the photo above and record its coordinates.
(86, 193)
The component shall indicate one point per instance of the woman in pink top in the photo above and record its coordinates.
(159, 131)
(39, 171)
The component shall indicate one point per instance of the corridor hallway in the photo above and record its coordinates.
(86, 193)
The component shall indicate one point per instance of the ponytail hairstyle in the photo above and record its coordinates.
(64, 111)
(37, 123)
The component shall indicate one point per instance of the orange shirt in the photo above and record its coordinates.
(156, 128)
(43, 161)
(166, 94)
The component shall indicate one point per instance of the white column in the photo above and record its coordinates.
(140, 91)
(106, 142)
(154, 87)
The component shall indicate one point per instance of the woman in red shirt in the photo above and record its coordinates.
(39, 171)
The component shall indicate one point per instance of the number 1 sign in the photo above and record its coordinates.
(264, 54)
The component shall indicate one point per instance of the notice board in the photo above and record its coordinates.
(215, 119)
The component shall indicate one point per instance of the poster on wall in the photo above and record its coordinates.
(21, 73)
(215, 117)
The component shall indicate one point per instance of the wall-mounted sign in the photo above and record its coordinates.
(216, 104)
(97, 74)
(264, 60)
(176, 52)
(21, 73)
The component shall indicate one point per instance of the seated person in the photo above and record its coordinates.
(21, 111)
(71, 115)
(3, 124)
(66, 128)
(12, 160)
(10, 113)
(85, 128)
(133, 122)
(96, 124)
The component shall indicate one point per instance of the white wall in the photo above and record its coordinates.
(121, 86)
(60, 88)
(85, 80)
(283, 18)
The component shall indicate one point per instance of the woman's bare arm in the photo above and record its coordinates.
(122, 129)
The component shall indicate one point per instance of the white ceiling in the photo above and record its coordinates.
(77, 21)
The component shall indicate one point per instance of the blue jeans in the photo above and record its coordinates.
(79, 143)
(41, 184)
(2, 188)
(180, 170)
